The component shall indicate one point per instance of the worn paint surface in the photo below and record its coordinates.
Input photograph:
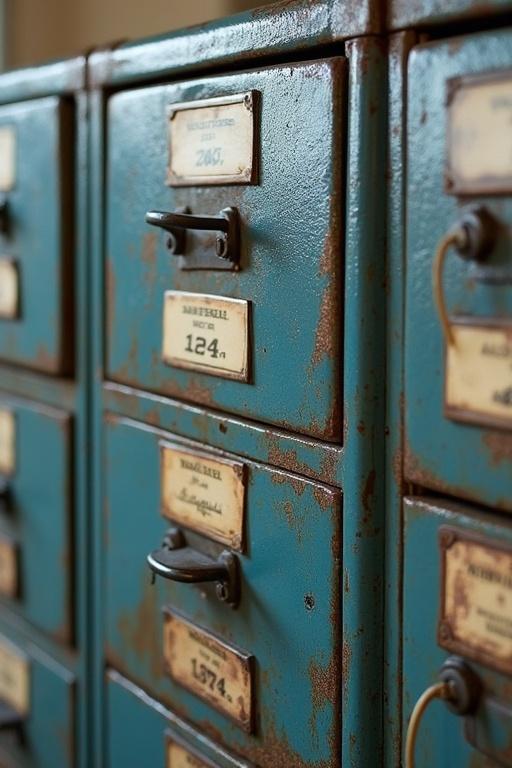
(412, 13)
(470, 461)
(37, 515)
(289, 616)
(283, 28)
(49, 727)
(291, 262)
(132, 712)
(441, 740)
(40, 218)
(399, 47)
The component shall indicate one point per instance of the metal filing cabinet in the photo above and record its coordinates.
(235, 450)
(448, 565)
(43, 506)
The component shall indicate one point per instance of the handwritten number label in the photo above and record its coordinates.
(211, 157)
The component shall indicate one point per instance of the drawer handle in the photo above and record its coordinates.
(177, 561)
(473, 238)
(10, 718)
(226, 224)
(4, 215)
(458, 686)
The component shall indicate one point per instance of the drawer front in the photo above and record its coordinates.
(167, 740)
(37, 696)
(459, 381)
(36, 562)
(36, 185)
(406, 14)
(458, 603)
(282, 639)
(281, 361)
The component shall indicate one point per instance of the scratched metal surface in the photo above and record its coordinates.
(285, 28)
(441, 740)
(40, 214)
(468, 461)
(291, 266)
(49, 730)
(293, 535)
(414, 13)
(37, 515)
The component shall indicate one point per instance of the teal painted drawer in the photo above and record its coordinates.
(458, 607)
(277, 686)
(403, 13)
(37, 708)
(168, 740)
(280, 362)
(458, 382)
(36, 561)
(36, 199)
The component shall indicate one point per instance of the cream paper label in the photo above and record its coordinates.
(211, 141)
(477, 602)
(214, 671)
(479, 374)
(480, 136)
(9, 289)
(203, 493)
(7, 442)
(7, 158)
(14, 678)
(206, 333)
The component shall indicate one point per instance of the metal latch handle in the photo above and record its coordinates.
(178, 222)
(473, 238)
(459, 686)
(177, 561)
(10, 718)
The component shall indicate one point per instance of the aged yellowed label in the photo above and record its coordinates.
(7, 158)
(179, 757)
(8, 567)
(9, 288)
(7, 441)
(14, 678)
(476, 610)
(203, 493)
(206, 333)
(214, 671)
(480, 135)
(212, 141)
(478, 385)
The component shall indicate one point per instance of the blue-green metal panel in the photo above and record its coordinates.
(38, 239)
(278, 29)
(404, 13)
(364, 376)
(37, 515)
(48, 732)
(131, 713)
(472, 462)
(293, 535)
(291, 263)
(319, 461)
(399, 47)
(441, 740)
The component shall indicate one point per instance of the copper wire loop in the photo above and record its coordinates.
(456, 238)
(437, 691)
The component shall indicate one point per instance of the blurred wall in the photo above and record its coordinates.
(37, 30)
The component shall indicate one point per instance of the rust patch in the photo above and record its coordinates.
(368, 493)
(296, 483)
(149, 244)
(499, 445)
(285, 459)
(327, 331)
(44, 359)
(346, 659)
(140, 629)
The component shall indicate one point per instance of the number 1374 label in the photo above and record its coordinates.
(216, 672)
(206, 333)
